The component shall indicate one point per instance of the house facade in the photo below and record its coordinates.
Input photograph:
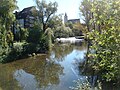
(26, 18)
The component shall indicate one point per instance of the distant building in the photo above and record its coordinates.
(70, 20)
(25, 17)
(65, 18)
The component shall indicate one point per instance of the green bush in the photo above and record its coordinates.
(24, 34)
(3, 53)
(14, 53)
(105, 39)
(21, 34)
(63, 32)
(38, 40)
(34, 36)
(34, 48)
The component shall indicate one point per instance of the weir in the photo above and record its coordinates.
(69, 40)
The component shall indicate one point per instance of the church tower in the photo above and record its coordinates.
(65, 18)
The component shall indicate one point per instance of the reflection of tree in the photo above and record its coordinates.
(50, 74)
(93, 77)
(45, 71)
(110, 86)
(6, 78)
(87, 70)
(62, 50)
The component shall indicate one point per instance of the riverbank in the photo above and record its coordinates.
(21, 50)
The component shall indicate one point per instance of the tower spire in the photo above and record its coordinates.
(65, 18)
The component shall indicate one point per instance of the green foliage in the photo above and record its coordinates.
(24, 34)
(11, 54)
(37, 45)
(55, 22)
(30, 48)
(21, 50)
(78, 29)
(85, 9)
(6, 17)
(49, 37)
(69, 24)
(10, 38)
(19, 33)
(3, 53)
(46, 20)
(34, 36)
(38, 40)
(45, 11)
(105, 38)
(62, 32)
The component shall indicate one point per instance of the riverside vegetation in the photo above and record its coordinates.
(38, 39)
(102, 21)
(102, 18)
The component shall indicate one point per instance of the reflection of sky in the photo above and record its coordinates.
(70, 73)
(26, 80)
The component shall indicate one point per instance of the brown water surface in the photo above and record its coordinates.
(54, 71)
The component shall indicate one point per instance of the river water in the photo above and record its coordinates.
(53, 71)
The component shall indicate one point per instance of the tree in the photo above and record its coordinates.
(55, 22)
(62, 32)
(69, 24)
(85, 9)
(79, 29)
(6, 18)
(105, 38)
(45, 11)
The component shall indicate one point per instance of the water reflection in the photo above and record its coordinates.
(29, 83)
(54, 71)
(7, 82)
(62, 50)
(46, 72)
(93, 78)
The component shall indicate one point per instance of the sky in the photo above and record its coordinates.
(71, 7)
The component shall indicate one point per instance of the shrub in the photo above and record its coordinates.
(63, 32)
(34, 36)
(24, 34)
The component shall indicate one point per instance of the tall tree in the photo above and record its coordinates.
(105, 38)
(85, 9)
(6, 17)
(55, 21)
(79, 29)
(45, 11)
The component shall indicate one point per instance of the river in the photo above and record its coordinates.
(53, 71)
(56, 70)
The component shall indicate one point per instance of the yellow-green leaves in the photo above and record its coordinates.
(104, 34)
(6, 19)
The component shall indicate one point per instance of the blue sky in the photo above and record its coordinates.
(71, 7)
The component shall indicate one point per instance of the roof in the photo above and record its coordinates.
(24, 12)
(28, 8)
(74, 20)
